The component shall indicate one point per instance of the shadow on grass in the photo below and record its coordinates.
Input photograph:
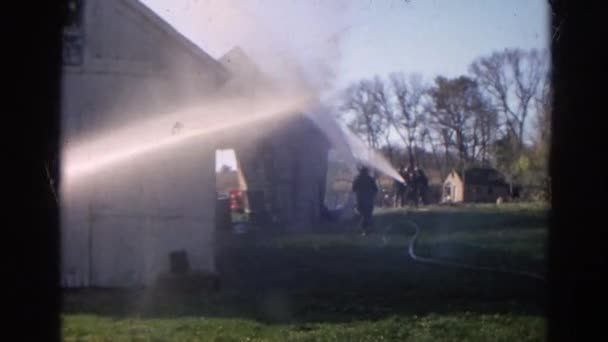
(291, 282)
(332, 275)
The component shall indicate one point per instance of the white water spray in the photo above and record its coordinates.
(173, 130)
(369, 157)
(347, 144)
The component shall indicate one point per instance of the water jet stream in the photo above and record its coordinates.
(84, 159)
(351, 146)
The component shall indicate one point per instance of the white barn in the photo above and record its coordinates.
(123, 63)
(131, 82)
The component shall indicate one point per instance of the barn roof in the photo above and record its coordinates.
(162, 25)
(237, 61)
(244, 72)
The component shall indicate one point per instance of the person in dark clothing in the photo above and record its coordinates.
(407, 185)
(400, 188)
(422, 184)
(365, 188)
(412, 187)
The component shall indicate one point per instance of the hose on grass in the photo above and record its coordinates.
(415, 257)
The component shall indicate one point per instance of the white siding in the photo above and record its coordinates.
(119, 226)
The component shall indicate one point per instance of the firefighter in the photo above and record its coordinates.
(422, 184)
(365, 188)
(400, 188)
(412, 187)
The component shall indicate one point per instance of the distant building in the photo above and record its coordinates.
(477, 185)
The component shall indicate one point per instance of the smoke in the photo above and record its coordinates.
(297, 43)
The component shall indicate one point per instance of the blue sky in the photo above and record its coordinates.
(429, 37)
(360, 38)
(442, 37)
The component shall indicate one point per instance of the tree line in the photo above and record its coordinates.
(497, 115)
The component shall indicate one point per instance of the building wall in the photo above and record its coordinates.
(310, 153)
(139, 70)
(485, 193)
(457, 187)
(120, 224)
(284, 163)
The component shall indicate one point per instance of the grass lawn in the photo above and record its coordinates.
(333, 285)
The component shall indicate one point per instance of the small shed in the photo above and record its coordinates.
(477, 185)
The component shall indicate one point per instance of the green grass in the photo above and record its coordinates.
(460, 327)
(333, 285)
(512, 237)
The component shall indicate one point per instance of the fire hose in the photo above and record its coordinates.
(415, 257)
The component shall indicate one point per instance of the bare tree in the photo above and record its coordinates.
(366, 116)
(543, 111)
(408, 116)
(381, 96)
(427, 139)
(485, 131)
(542, 139)
(511, 78)
(447, 142)
(461, 118)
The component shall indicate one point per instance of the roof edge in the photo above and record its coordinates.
(168, 29)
